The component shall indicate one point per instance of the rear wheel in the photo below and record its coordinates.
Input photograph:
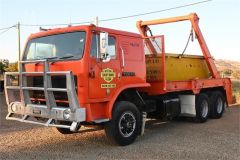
(218, 102)
(202, 107)
(66, 130)
(124, 126)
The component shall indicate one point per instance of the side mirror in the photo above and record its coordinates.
(103, 47)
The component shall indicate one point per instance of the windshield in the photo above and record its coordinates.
(59, 46)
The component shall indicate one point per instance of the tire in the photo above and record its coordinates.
(217, 107)
(124, 126)
(202, 107)
(65, 130)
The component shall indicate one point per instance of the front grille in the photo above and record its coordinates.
(38, 97)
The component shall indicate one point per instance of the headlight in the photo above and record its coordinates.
(15, 106)
(66, 114)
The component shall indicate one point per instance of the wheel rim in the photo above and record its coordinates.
(219, 105)
(204, 106)
(127, 124)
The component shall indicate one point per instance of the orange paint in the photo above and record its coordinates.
(99, 101)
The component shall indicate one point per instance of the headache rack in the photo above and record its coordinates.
(50, 111)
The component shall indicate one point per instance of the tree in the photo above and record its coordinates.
(2, 67)
(12, 67)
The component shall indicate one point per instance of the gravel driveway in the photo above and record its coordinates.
(182, 139)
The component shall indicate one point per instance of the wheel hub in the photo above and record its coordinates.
(219, 105)
(127, 124)
(204, 109)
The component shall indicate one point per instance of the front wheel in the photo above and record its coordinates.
(124, 126)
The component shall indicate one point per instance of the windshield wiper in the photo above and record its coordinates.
(66, 57)
(47, 58)
(50, 58)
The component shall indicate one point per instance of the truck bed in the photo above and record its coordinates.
(180, 73)
(178, 68)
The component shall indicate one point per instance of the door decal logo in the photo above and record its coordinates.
(108, 85)
(108, 75)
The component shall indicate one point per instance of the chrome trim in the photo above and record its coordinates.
(123, 59)
(49, 111)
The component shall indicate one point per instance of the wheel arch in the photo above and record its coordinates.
(126, 91)
(221, 89)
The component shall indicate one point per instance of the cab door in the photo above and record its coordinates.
(104, 77)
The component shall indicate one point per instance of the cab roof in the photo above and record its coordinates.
(79, 28)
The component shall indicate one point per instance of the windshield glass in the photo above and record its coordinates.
(59, 46)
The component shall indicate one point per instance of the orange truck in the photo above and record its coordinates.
(82, 75)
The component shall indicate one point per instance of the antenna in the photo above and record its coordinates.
(96, 21)
(70, 23)
(19, 45)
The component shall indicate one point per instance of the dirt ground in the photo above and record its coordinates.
(181, 139)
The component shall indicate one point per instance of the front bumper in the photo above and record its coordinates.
(21, 108)
(41, 115)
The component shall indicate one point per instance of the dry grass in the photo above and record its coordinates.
(236, 90)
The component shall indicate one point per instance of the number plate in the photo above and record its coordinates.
(36, 111)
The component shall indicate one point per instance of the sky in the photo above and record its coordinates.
(219, 21)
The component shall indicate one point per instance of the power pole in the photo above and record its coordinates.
(19, 45)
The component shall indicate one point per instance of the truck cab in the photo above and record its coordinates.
(82, 67)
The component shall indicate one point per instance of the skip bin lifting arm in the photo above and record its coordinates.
(193, 18)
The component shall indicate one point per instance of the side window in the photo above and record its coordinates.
(112, 47)
(95, 46)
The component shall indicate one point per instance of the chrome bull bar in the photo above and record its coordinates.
(51, 112)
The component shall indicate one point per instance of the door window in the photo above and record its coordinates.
(95, 46)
